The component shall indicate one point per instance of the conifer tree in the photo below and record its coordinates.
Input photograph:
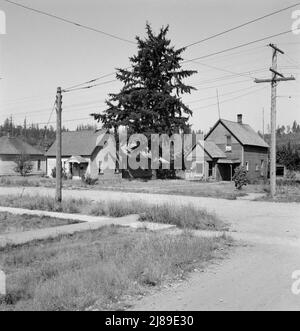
(150, 100)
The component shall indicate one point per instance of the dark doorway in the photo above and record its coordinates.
(225, 171)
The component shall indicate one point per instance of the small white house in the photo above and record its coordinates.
(11, 148)
(82, 155)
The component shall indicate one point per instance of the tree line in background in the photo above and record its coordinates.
(288, 139)
(40, 137)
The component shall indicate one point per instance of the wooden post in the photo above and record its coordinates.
(263, 124)
(2, 283)
(58, 196)
(276, 77)
(273, 126)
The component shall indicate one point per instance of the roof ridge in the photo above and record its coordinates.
(235, 122)
(245, 133)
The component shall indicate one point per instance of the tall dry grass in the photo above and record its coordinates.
(98, 268)
(181, 216)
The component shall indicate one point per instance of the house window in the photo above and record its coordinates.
(101, 172)
(210, 170)
(39, 165)
(262, 167)
(247, 166)
(199, 168)
(228, 144)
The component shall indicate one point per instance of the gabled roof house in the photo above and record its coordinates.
(81, 155)
(11, 148)
(231, 144)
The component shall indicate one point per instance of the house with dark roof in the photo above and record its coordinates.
(240, 145)
(83, 155)
(11, 148)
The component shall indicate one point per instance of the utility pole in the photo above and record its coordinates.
(263, 123)
(58, 196)
(11, 126)
(276, 78)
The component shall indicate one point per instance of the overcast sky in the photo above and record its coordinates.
(39, 53)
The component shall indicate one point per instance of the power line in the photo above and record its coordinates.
(52, 111)
(225, 70)
(89, 86)
(239, 46)
(71, 107)
(8, 102)
(222, 85)
(242, 25)
(91, 81)
(67, 121)
(194, 59)
(231, 99)
(227, 77)
(292, 61)
(202, 57)
(114, 73)
(221, 95)
(90, 118)
(69, 21)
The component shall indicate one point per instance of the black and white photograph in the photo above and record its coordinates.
(149, 158)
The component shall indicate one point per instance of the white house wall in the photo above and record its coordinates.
(51, 164)
(7, 166)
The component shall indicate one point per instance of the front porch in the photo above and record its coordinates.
(226, 169)
(77, 167)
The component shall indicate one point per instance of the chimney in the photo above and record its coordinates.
(240, 118)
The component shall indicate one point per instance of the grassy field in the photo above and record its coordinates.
(19, 223)
(183, 217)
(99, 269)
(286, 192)
(29, 181)
(222, 190)
(177, 187)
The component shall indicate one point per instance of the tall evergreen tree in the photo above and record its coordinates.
(294, 127)
(151, 98)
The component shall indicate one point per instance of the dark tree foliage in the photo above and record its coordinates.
(288, 146)
(289, 156)
(150, 100)
(240, 177)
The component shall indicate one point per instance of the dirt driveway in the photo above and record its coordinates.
(258, 275)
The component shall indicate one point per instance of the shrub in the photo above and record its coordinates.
(240, 177)
(23, 165)
(53, 172)
(88, 180)
(63, 173)
(291, 175)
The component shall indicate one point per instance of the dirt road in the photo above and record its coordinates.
(257, 276)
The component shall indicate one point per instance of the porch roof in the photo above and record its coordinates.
(213, 150)
(77, 159)
(227, 161)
